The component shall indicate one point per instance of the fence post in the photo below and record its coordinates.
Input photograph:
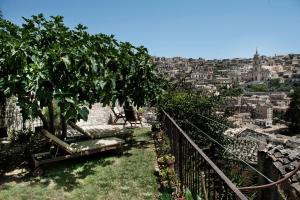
(180, 159)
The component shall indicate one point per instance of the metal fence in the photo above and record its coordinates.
(194, 169)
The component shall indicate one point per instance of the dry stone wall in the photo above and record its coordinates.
(11, 118)
(275, 161)
(98, 115)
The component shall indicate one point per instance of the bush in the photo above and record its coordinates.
(184, 107)
(272, 85)
(257, 88)
(162, 144)
(20, 136)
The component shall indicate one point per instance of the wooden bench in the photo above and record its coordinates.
(73, 150)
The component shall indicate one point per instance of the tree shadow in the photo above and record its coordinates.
(141, 141)
(15, 174)
(138, 143)
(64, 175)
(67, 175)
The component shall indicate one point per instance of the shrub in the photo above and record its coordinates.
(20, 136)
(184, 107)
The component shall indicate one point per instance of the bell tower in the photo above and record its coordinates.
(256, 71)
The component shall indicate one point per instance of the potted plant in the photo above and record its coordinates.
(161, 160)
(170, 160)
(166, 160)
(168, 178)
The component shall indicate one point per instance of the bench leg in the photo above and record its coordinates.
(120, 151)
(38, 171)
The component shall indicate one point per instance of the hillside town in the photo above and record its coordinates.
(263, 111)
(210, 74)
(140, 100)
(256, 115)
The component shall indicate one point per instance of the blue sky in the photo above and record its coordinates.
(187, 28)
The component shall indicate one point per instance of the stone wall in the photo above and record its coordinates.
(11, 117)
(275, 162)
(277, 155)
(98, 115)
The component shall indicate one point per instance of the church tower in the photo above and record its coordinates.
(256, 71)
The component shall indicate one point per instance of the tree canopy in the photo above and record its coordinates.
(44, 62)
(293, 113)
(272, 85)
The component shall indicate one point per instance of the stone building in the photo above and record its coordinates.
(258, 73)
(264, 111)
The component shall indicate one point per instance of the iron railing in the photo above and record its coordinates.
(194, 169)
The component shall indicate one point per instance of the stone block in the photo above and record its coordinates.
(293, 155)
(296, 186)
(285, 161)
(278, 155)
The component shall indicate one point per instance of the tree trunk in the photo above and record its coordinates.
(51, 117)
(63, 122)
(2, 110)
(44, 120)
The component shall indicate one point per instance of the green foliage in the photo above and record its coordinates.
(44, 61)
(293, 113)
(168, 177)
(107, 177)
(188, 194)
(234, 92)
(181, 105)
(165, 196)
(20, 136)
(184, 106)
(275, 85)
(166, 159)
(163, 144)
(257, 88)
(272, 85)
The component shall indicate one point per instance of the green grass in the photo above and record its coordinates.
(130, 176)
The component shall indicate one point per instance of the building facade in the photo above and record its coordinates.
(258, 73)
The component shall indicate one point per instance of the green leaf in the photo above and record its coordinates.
(102, 84)
(71, 113)
(94, 65)
(84, 112)
(199, 198)
(70, 100)
(188, 194)
(7, 91)
(66, 60)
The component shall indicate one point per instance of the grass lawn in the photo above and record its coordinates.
(110, 177)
